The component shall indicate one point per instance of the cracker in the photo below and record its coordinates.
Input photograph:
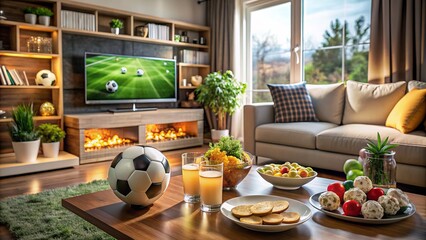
(279, 206)
(261, 208)
(272, 219)
(290, 217)
(255, 220)
(241, 211)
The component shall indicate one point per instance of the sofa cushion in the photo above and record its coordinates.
(328, 101)
(297, 134)
(349, 139)
(371, 103)
(409, 112)
(292, 103)
(416, 84)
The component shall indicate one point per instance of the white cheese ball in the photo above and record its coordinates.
(389, 204)
(399, 195)
(355, 194)
(372, 210)
(329, 201)
(364, 183)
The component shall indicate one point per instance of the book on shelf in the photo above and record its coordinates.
(2, 78)
(194, 57)
(25, 77)
(157, 31)
(78, 20)
(6, 74)
(16, 77)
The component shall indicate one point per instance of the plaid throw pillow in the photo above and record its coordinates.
(292, 103)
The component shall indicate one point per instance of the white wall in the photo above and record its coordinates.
(182, 10)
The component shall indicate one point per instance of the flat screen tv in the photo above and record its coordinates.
(113, 79)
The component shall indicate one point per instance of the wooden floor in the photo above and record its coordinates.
(37, 182)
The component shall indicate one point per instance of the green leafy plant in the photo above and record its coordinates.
(116, 23)
(376, 152)
(50, 133)
(22, 128)
(30, 10)
(231, 146)
(220, 93)
(42, 11)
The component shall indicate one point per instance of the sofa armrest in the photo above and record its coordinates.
(255, 115)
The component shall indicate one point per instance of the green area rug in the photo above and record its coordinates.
(41, 215)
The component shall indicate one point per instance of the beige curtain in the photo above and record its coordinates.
(397, 41)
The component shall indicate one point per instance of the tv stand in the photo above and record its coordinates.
(133, 109)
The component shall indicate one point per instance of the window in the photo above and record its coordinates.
(333, 36)
(336, 36)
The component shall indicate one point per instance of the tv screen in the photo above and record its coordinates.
(129, 79)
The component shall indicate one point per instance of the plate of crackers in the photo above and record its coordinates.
(266, 213)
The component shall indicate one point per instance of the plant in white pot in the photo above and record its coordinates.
(44, 15)
(30, 15)
(51, 135)
(116, 25)
(220, 94)
(25, 140)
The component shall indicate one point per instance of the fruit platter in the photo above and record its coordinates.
(286, 176)
(359, 201)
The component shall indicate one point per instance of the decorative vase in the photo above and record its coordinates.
(26, 152)
(116, 31)
(44, 20)
(381, 169)
(30, 18)
(51, 150)
(217, 134)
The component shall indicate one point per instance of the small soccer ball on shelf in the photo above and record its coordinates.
(47, 109)
(45, 78)
(139, 175)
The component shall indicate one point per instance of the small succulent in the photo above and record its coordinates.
(42, 11)
(116, 23)
(30, 10)
(50, 133)
(22, 128)
(380, 148)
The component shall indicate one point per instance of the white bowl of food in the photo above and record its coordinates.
(286, 176)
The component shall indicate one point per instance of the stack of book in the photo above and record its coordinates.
(156, 31)
(194, 57)
(78, 20)
(11, 77)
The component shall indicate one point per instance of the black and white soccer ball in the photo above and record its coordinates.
(46, 78)
(123, 70)
(111, 86)
(139, 175)
(140, 72)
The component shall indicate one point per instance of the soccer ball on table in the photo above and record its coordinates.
(45, 78)
(140, 72)
(111, 86)
(139, 175)
(123, 70)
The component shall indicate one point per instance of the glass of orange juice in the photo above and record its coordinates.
(211, 181)
(190, 176)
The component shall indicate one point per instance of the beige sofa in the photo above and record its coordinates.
(348, 116)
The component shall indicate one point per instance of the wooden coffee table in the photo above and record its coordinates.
(171, 218)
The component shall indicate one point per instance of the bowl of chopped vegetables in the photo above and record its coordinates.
(236, 162)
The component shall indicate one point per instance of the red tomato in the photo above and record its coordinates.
(338, 189)
(352, 208)
(375, 193)
(284, 170)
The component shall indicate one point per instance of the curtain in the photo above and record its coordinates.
(397, 41)
(221, 19)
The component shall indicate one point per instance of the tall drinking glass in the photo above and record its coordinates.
(190, 176)
(211, 181)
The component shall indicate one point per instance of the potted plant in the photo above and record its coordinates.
(25, 139)
(220, 94)
(30, 15)
(116, 25)
(379, 163)
(51, 135)
(44, 15)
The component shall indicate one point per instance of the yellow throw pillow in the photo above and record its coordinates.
(409, 112)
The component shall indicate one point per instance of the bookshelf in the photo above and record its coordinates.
(14, 33)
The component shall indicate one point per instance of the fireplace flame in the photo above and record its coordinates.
(155, 134)
(95, 139)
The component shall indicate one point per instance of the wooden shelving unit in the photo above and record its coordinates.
(14, 33)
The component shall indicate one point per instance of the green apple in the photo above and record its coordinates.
(352, 174)
(351, 164)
